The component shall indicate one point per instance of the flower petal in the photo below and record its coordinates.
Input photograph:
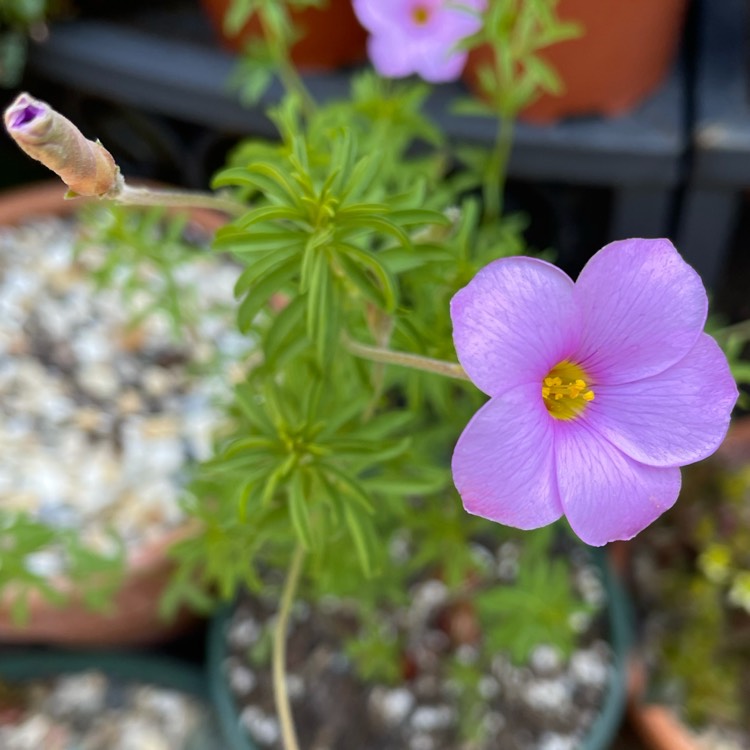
(605, 494)
(380, 15)
(503, 464)
(390, 56)
(676, 417)
(643, 309)
(513, 322)
(438, 64)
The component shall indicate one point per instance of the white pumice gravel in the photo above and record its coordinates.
(99, 420)
(91, 711)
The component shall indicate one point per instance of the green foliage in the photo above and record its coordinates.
(321, 230)
(734, 339)
(538, 608)
(704, 669)
(702, 595)
(296, 468)
(377, 652)
(97, 575)
(19, 20)
(142, 252)
(516, 30)
(269, 53)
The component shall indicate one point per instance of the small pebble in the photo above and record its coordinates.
(588, 668)
(392, 706)
(242, 680)
(553, 741)
(244, 634)
(422, 742)
(546, 661)
(432, 718)
(264, 729)
(548, 695)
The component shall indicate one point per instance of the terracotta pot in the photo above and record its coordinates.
(332, 36)
(133, 616)
(625, 52)
(657, 725)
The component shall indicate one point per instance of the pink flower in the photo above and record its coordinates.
(600, 389)
(419, 36)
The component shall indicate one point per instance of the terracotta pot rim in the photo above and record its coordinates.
(656, 723)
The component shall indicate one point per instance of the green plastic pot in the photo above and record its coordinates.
(600, 735)
(139, 668)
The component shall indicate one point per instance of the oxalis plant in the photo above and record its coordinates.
(373, 255)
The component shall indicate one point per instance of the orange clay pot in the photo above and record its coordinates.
(624, 54)
(132, 618)
(332, 36)
(658, 726)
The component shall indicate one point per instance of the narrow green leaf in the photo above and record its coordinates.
(402, 486)
(361, 280)
(411, 216)
(350, 486)
(399, 260)
(323, 309)
(246, 398)
(359, 210)
(364, 173)
(274, 173)
(263, 266)
(264, 287)
(363, 543)
(269, 213)
(370, 262)
(285, 329)
(299, 512)
(240, 241)
(378, 224)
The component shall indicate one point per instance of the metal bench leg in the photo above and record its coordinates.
(641, 212)
(704, 234)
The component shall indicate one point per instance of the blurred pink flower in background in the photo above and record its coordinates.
(600, 389)
(419, 36)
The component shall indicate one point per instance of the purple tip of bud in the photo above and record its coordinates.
(25, 115)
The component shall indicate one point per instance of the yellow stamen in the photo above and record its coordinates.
(420, 15)
(565, 390)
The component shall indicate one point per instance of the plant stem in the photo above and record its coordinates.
(290, 77)
(415, 361)
(132, 196)
(497, 167)
(736, 329)
(283, 709)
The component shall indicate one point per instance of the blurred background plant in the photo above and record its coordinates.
(20, 21)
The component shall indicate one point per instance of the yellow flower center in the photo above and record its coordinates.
(565, 390)
(420, 14)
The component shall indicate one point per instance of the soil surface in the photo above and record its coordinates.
(547, 704)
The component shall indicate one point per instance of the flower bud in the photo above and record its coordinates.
(85, 166)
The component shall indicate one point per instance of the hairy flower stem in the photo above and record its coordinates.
(283, 709)
(496, 171)
(132, 196)
(290, 77)
(415, 361)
